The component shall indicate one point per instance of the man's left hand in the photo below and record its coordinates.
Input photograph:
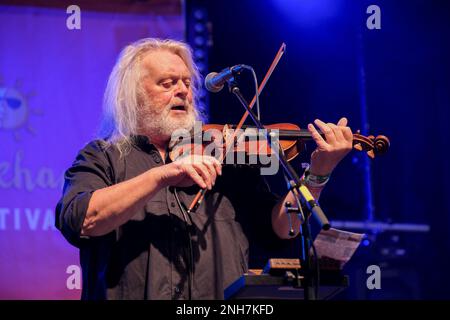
(331, 149)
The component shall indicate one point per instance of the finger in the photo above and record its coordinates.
(190, 171)
(347, 132)
(216, 164)
(329, 134)
(211, 169)
(204, 173)
(342, 122)
(337, 132)
(321, 143)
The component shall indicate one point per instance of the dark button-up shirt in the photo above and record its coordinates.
(149, 257)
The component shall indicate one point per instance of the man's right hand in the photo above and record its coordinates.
(185, 172)
(112, 206)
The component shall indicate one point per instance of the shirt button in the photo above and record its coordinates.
(172, 204)
(177, 290)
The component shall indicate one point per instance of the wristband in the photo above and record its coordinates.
(314, 181)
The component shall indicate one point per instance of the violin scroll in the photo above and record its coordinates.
(373, 146)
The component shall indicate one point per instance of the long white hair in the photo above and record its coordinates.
(124, 89)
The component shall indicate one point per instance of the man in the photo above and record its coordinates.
(124, 201)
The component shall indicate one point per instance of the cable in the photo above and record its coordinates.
(191, 253)
(316, 264)
(308, 240)
(255, 80)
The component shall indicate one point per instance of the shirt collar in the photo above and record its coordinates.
(143, 143)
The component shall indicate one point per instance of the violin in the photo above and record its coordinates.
(214, 140)
(290, 135)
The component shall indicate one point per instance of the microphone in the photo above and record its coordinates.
(214, 81)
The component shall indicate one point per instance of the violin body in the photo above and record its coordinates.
(291, 145)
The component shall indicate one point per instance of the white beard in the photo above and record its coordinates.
(160, 125)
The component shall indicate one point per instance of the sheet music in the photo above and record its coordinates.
(335, 247)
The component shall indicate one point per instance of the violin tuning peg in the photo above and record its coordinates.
(371, 154)
(358, 147)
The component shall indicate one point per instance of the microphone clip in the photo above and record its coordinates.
(214, 82)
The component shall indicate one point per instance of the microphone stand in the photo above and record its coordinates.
(303, 196)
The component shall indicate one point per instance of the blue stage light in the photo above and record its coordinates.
(308, 12)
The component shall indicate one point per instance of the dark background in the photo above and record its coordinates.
(335, 66)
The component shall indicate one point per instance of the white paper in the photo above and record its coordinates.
(335, 247)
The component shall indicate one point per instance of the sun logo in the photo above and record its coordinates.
(15, 111)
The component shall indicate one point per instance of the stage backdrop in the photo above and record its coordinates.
(51, 85)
